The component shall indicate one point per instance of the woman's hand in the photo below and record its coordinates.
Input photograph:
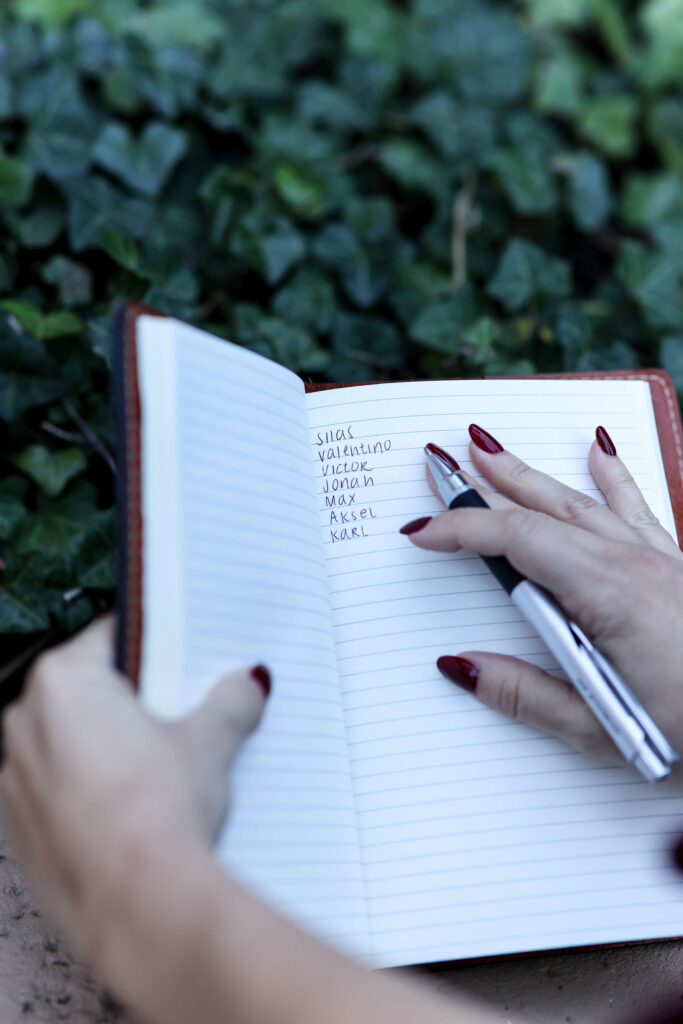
(93, 785)
(614, 569)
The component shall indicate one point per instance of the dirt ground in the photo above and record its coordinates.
(41, 982)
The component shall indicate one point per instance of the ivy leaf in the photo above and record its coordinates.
(272, 250)
(307, 299)
(304, 193)
(650, 198)
(52, 12)
(97, 556)
(23, 604)
(526, 272)
(63, 126)
(40, 227)
(73, 281)
(365, 273)
(94, 206)
(441, 325)
(41, 326)
(122, 249)
(526, 177)
(590, 199)
(16, 181)
(28, 375)
(12, 507)
(653, 280)
(144, 163)
(51, 470)
(609, 123)
(368, 339)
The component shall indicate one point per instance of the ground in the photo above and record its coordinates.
(42, 983)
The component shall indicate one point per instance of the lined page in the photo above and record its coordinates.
(479, 835)
(234, 576)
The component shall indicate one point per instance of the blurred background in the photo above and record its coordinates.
(359, 189)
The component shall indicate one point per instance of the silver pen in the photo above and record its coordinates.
(603, 689)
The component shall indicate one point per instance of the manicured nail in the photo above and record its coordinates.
(415, 525)
(605, 441)
(262, 676)
(460, 671)
(443, 454)
(483, 440)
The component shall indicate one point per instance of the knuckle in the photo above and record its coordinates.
(639, 516)
(574, 506)
(519, 471)
(43, 674)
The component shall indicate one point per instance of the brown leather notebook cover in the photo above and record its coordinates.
(129, 497)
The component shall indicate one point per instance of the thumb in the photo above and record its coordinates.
(211, 737)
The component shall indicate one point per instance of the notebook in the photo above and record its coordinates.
(378, 805)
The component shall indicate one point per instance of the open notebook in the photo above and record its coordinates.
(378, 805)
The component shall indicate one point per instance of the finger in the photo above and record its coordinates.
(492, 498)
(94, 644)
(533, 489)
(528, 694)
(211, 737)
(625, 499)
(570, 562)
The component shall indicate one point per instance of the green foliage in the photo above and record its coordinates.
(356, 188)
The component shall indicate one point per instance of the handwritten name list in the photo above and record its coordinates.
(348, 466)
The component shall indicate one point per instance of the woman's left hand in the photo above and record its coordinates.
(93, 785)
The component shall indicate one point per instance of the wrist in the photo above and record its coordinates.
(145, 916)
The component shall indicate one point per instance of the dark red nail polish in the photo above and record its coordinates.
(415, 525)
(484, 440)
(262, 676)
(461, 671)
(605, 441)
(443, 454)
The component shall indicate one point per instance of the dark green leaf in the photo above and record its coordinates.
(28, 376)
(73, 281)
(144, 163)
(442, 325)
(16, 181)
(94, 206)
(368, 339)
(23, 598)
(590, 199)
(307, 299)
(526, 272)
(51, 470)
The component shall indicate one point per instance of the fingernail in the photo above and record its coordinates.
(443, 454)
(416, 524)
(484, 440)
(605, 441)
(460, 671)
(262, 676)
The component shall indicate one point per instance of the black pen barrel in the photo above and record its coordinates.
(499, 566)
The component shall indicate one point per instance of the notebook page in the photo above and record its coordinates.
(479, 836)
(234, 576)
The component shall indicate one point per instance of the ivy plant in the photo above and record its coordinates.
(359, 189)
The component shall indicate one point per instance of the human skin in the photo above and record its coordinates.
(113, 813)
(613, 568)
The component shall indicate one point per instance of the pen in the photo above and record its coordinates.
(601, 686)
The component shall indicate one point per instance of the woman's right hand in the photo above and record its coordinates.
(613, 568)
